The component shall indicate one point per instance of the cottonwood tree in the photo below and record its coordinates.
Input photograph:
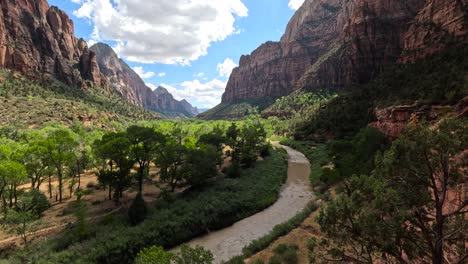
(58, 149)
(145, 143)
(201, 164)
(36, 165)
(115, 150)
(170, 159)
(12, 174)
(412, 204)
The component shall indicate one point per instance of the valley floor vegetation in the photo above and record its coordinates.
(209, 176)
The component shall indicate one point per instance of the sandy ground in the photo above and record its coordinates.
(294, 196)
(58, 217)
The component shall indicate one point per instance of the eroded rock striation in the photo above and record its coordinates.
(36, 39)
(334, 44)
(392, 120)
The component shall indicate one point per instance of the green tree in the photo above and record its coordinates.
(154, 255)
(36, 165)
(19, 221)
(115, 150)
(33, 201)
(12, 175)
(201, 164)
(58, 149)
(170, 161)
(406, 205)
(145, 143)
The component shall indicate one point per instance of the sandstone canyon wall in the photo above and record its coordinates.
(333, 44)
(37, 39)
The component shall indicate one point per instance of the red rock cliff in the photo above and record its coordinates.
(335, 43)
(439, 24)
(36, 38)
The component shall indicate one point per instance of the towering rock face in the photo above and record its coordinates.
(439, 24)
(335, 43)
(122, 79)
(125, 82)
(38, 39)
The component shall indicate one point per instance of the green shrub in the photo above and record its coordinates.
(154, 255)
(197, 255)
(258, 261)
(281, 248)
(265, 150)
(234, 170)
(35, 202)
(137, 211)
(290, 255)
(311, 243)
(275, 260)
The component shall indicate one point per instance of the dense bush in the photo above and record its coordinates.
(137, 211)
(355, 155)
(35, 202)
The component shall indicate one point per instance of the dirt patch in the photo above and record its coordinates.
(59, 216)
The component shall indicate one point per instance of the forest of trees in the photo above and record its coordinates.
(176, 156)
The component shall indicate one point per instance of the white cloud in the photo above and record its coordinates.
(151, 86)
(202, 94)
(141, 72)
(295, 4)
(76, 1)
(170, 32)
(225, 68)
(161, 74)
(200, 74)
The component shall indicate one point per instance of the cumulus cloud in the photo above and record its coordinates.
(161, 74)
(141, 72)
(170, 32)
(295, 4)
(200, 74)
(225, 68)
(203, 94)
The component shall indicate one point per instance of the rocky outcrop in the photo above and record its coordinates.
(334, 44)
(36, 39)
(391, 121)
(439, 24)
(125, 82)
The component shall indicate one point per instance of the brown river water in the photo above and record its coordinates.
(295, 195)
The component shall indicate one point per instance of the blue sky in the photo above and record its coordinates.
(187, 46)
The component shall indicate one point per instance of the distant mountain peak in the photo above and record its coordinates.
(161, 90)
(128, 84)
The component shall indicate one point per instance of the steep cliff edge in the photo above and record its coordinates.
(124, 81)
(38, 40)
(333, 44)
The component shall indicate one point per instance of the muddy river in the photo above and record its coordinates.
(295, 194)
